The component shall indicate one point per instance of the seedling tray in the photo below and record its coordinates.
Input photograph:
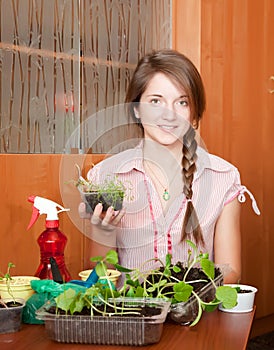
(114, 330)
(185, 313)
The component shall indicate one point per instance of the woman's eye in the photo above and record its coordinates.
(155, 101)
(183, 103)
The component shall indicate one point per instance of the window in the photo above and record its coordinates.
(64, 69)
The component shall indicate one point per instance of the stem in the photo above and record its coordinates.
(115, 307)
(124, 310)
(194, 261)
(4, 304)
(200, 310)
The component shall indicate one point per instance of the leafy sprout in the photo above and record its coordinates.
(160, 283)
(71, 301)
(150, 283)
(7, 278)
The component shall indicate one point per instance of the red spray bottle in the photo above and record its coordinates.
(52, 241)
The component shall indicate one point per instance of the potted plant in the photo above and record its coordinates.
(11, 307)
(17, 286)
(100, 314)
(112, 274)
(110, 192)
(245, 298)
(191, 287)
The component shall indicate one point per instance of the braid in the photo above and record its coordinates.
(191, 222)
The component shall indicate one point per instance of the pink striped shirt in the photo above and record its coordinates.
(145, 232)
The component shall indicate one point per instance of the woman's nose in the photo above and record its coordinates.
(169, 112)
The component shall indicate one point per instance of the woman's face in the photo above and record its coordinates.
(164, 111)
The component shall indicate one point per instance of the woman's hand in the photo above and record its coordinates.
(107, 221)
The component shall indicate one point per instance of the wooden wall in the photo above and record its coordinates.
(232, 43)
(44, 175)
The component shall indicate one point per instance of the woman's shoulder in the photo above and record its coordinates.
(119, 162)
(211, 161)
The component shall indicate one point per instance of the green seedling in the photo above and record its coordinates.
(7, 278)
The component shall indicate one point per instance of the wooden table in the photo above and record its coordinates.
(216, 330)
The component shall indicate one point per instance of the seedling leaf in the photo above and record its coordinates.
(227, 296)
(208, 268)
(65, 299)
(182, 291)
(112, 257)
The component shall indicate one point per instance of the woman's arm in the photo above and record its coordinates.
(227, 241)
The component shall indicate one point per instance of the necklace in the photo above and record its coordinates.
(154, 223)
(166, 194)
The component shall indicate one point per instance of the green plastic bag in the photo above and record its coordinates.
(32, 304)
(44, 290)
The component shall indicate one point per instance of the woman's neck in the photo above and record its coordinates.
(165, 156)
(163, 166)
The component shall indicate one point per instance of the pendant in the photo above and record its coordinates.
(166, 195)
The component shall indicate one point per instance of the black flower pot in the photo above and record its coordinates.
(114, 199)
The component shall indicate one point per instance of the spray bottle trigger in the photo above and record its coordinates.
(34, 217)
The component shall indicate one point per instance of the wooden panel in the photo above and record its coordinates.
(233, 46)
(42, 175)
(186, 28)
(236, 61)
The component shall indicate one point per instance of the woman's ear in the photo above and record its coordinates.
(195, 124)
(136, 112)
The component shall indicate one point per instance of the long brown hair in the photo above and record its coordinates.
(191, 221)
(183, 73)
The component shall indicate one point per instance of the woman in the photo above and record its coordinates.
(179, 190)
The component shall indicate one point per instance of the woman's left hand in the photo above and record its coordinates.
(108, 220)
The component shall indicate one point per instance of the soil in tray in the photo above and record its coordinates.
(143, 311)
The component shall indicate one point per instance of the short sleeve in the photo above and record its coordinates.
(238, 190)
(235, 188)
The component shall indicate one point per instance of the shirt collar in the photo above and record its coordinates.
(134, 160)
(204, 161)
(209, 161)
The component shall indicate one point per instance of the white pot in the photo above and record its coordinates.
(245, 301)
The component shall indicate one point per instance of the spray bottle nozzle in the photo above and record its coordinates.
(44, 206)
(31, 199)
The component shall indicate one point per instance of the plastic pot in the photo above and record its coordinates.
(112, 275)
(245, 299)
(20, 287)
(11, 317)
